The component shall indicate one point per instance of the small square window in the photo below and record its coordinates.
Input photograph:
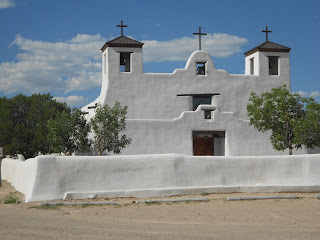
(201, 68)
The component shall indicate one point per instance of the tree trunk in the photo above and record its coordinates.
(290, 143)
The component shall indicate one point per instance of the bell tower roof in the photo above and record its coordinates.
(122, 41)
(268, 46)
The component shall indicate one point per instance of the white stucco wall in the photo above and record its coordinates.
(175, 136)
(47, 178)
(21, 174)
(154, 95)
(160, 121)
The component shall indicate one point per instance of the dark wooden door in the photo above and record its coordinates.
(203, 146)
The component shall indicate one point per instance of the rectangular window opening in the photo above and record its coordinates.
(273, 65)
(200, 100)
(207, 114)
(201, 68)
(252, 66)
(105, 63)
(125, 62)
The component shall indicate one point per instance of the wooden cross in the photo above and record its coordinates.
(199, 33)
(267, 31)
(122, 26)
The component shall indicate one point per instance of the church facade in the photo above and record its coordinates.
(197, 110)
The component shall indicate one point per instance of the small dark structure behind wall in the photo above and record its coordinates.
(209, 143)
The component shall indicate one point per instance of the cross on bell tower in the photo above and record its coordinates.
(122, 26)
(266, 31)
(199, 33)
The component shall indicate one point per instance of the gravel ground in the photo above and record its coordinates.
(216, 219)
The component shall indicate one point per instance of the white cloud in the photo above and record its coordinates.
(217, 44)
(84, 80)
(7, 4)
(315, 94)
(72, 100)
(85, 38)
(47, 66)
(303, 94)
(75, 64)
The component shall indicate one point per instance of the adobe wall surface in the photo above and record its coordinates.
(175, 136)
(154, 95)
(160, 117)
(47, 178)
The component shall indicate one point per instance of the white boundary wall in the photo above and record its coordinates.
(47, 178)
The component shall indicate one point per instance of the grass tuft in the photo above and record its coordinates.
(152, 203)
(11, 198)
(86, 205)
(204, 194)
(47, 207)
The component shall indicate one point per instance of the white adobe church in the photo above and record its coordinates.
(198, 110)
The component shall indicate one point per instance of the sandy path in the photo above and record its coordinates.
(217, 219)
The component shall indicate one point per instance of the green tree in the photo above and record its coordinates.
(294, 121)
(23, 123)
(107, 124)
(308, 131)
(68, 132)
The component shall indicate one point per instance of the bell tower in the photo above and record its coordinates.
(122, 54)
(121, 57)
(268, 59)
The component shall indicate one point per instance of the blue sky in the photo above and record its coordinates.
(54, 46)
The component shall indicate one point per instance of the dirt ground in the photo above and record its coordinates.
(216, 219)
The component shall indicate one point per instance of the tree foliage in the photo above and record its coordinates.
(308, 130)
(23, 123)
(107, 124)
(294, 121)
(68, 132)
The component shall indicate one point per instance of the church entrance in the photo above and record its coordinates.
(209, 143)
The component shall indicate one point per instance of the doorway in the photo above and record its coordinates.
(209, 143)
